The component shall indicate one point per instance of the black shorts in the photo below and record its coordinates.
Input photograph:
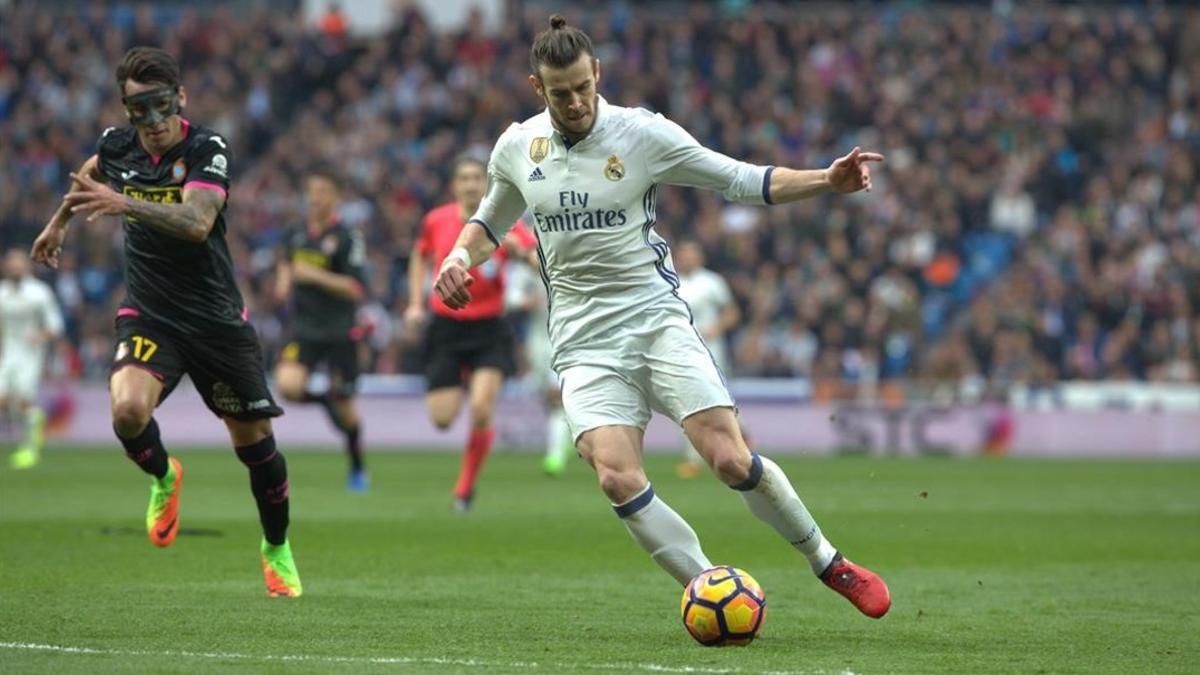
(340, 358)
(226, 368)
(453, 349)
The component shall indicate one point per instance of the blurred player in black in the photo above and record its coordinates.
(323, 268)
(183, 314)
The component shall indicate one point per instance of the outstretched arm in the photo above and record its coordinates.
(49, 243)
(190, 220)
(847, 174)
(677, 158)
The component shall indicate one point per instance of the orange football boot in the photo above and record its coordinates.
(862, 587)
(162, 516)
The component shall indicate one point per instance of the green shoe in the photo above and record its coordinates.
(162, 515)
(25, 457)
(554, 465)
(279, 570)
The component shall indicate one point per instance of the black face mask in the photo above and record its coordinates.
(151, 107)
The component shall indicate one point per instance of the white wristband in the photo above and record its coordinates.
(459, 253)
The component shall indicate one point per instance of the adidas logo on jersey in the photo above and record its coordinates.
(537, 175)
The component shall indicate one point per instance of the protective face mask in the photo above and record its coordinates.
(152, 107)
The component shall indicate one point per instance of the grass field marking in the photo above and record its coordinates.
(393, 660)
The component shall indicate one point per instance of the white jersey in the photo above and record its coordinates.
(27, 308)
(593, 207)
(707, 294)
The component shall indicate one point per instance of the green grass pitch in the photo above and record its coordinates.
(994, 566)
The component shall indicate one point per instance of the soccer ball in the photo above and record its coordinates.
(723, 606)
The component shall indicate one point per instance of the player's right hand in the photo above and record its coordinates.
(48, 246)
(452, 284)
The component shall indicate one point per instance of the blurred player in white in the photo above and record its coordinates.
(714, 313)
(29, 323)
(529, 294)
(623, 341)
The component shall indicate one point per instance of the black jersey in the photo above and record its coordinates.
(188, 286)
(339, 249)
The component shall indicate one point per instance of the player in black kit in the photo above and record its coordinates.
(168, 180)
(322, 268)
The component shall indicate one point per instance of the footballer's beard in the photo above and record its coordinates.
(564, 125)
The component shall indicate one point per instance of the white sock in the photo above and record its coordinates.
(558, 434)
(664, 534)
(771, 497)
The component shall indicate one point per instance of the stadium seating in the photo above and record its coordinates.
(1015, 233)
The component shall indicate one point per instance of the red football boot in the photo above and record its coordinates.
(862, 587)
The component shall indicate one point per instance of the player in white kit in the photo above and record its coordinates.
(714, 313)
(29, 322)
(623, 339)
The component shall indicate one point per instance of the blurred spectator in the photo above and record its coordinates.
(1037, 217)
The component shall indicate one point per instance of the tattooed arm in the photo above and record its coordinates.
(191, 220)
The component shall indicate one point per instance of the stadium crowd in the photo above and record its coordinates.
(1037, 217)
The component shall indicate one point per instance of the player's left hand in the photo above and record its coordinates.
(95, 198)
(851, 173)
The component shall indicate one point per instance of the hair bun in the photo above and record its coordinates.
(557, 21)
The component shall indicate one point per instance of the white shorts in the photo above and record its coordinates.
(20, 376)
(667, 369)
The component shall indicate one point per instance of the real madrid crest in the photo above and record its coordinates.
(178, 171)
(539, 148)
(614, 170)
(329, 244)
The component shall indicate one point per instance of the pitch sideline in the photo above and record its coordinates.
(391, 660)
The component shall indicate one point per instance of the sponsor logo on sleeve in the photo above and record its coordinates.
(219, 165)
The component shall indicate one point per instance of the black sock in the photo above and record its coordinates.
(269, 483)
(146, 450)
(354, 448)
(352, 433)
